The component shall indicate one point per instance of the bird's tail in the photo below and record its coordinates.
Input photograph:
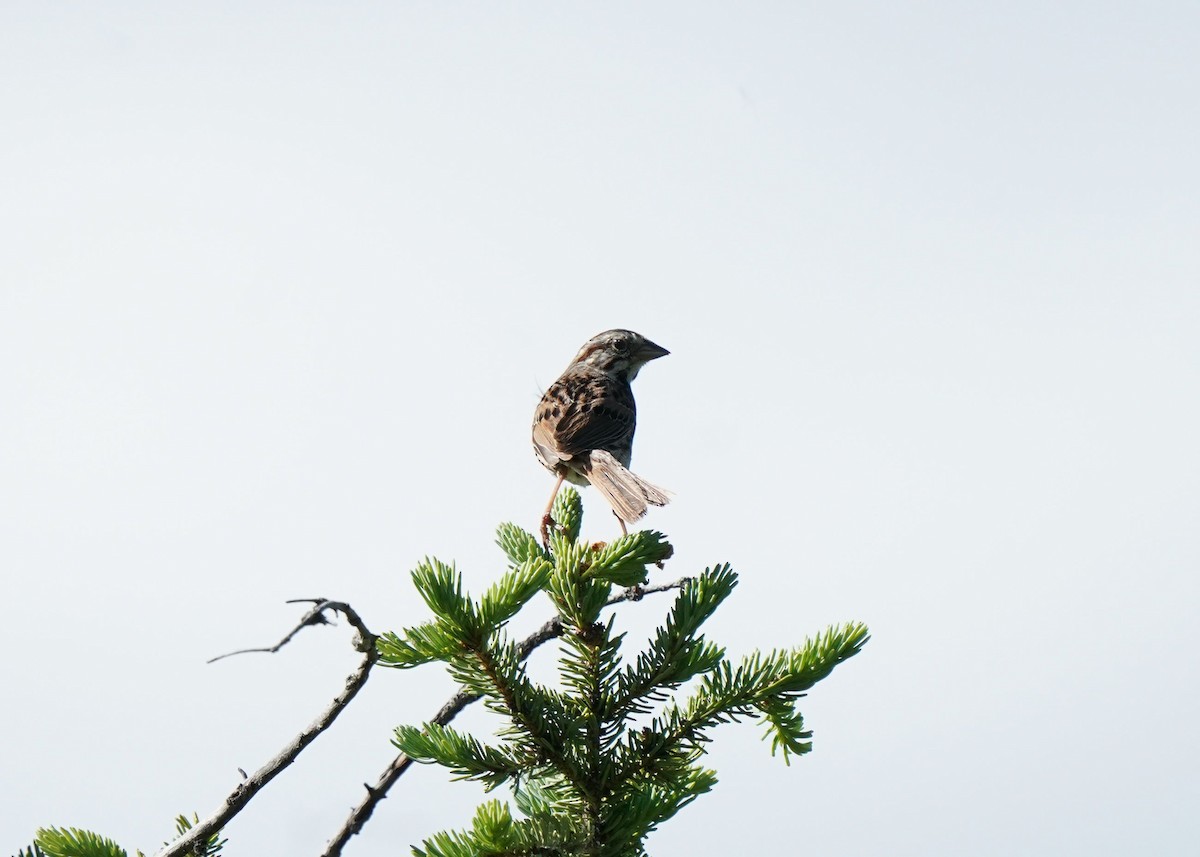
(627, 493)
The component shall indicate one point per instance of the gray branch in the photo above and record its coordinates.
(315, 616)
(251, 785)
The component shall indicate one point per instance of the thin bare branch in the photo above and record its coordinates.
(396, 768)
(250, 786)
(315, 616)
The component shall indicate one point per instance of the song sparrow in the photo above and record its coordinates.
(583, 426)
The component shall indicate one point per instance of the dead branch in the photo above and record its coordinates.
(250, 786)
(315, 616)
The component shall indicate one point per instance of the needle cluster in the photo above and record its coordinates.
(597, 762)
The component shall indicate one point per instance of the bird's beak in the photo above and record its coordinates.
(649, 351)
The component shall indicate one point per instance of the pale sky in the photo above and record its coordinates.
(282, 284)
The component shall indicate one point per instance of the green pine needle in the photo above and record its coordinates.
(568, 512)
(509, 594)
(72, 842)
(495, 833)
(600, 761)
(623, 561)
(465, 756)
(440, 585)
(517, 544)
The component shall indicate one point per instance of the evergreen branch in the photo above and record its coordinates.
(623, 561)
(448, 634)
(727, 694)
(638, 811)
(440, 586)
(577, 598)
(655, 755)
(419, 645)
(675, 654)
(544, 793)
(245, 791)
(568, 512)
(513, 591)
(550, 630)
(465, 756)
(535, 717)
(495, 833)
(588, 665)
(796, 670)
(776, 675)
(566, 587)
(489, 672)
(518, 545)
(589, 661)
(72, 842)
(785, 727)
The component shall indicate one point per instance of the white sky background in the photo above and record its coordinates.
(281, 285)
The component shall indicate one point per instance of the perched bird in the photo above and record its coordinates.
(583, 426)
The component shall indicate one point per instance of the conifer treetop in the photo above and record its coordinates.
(598, 762)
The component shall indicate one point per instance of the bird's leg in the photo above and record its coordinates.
(621, 521)
(547, 520)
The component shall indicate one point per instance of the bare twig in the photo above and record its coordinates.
(315, 616)
(251, 785)
(550, 630)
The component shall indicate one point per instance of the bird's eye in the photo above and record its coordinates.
(620, 347)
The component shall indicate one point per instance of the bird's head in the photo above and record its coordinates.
(619, 352)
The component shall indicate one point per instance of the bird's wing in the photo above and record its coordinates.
(599, 415)
(544, 446)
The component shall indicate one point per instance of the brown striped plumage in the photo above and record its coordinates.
(583, 426)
